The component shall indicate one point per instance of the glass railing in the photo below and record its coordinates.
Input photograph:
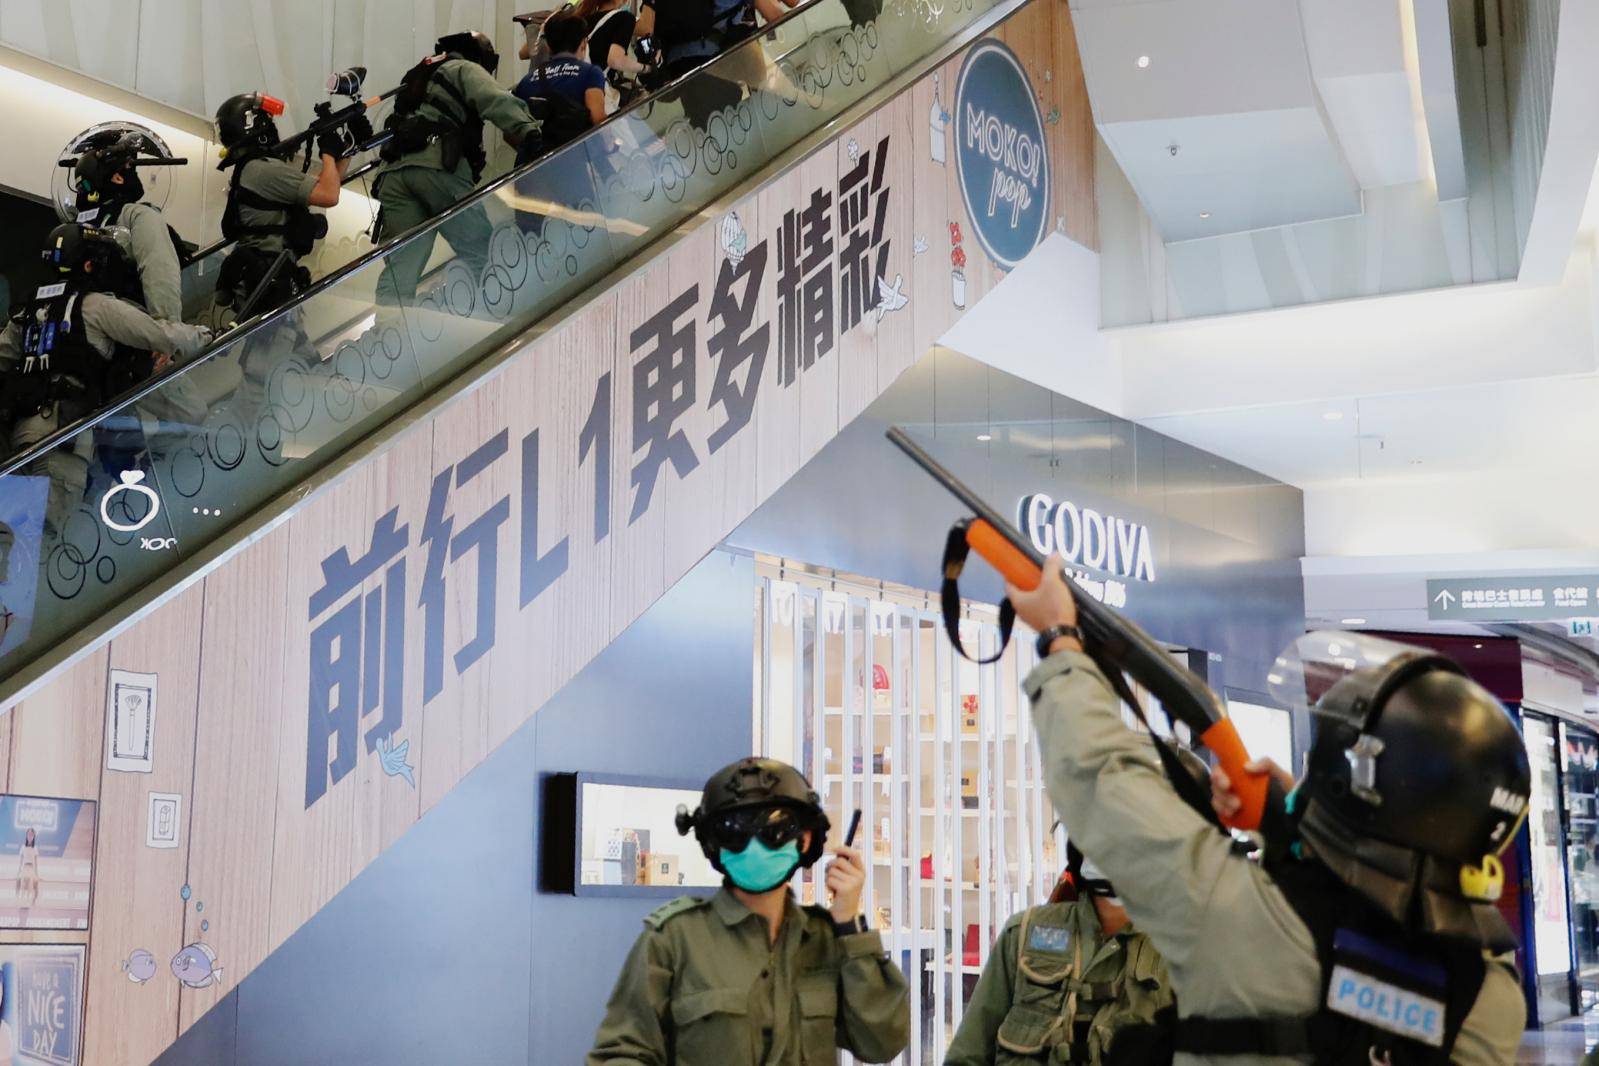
(92, 515)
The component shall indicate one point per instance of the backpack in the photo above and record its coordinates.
(561, 119)
(1372, 969)
(460, 137)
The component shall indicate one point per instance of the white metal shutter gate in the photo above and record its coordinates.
(859, 688)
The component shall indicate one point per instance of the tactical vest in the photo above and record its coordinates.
(1387, 995)
(109, 216)
(1057, 1017)
(58, 362)
(459, 134)
(300, 229)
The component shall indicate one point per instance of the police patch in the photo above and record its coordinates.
(1047, 938)
(1386, 1006)
(91, 215)
(50, 292)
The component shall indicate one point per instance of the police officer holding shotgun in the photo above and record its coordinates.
(1368, 933)
(748, 977)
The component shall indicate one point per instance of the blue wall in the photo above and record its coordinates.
(443, 951)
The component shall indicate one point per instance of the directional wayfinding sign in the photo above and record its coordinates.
(1512, 599)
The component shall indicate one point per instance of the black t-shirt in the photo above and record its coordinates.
(611, 27)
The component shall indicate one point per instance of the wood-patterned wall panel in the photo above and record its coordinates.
(137, 888)
(232, 805)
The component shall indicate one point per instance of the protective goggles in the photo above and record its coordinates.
(774, 826)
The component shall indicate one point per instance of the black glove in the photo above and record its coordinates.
(361, 128)
(338, 142)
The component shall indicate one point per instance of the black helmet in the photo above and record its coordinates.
(1417, 780)
(754, 785)
(89, 168)
(106, 156)
(472, 46)
(246, 121)
(83, 253)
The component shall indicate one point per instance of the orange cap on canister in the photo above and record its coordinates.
(270, 104)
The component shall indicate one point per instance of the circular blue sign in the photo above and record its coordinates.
(1002, 154)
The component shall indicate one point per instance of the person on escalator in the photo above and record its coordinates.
(270, 200)
(611, 25)
(676, 37)
(269, 213)
(110, 197)
(59, 351)
(566, 92)
(436, 158)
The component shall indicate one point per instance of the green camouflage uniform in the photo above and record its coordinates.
(705, 986)
(417, 186)
(1056, 990)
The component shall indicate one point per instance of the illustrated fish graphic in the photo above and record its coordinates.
(196, 967)
(392, 757)
(890, 297)
(919, 247)
(140, 966)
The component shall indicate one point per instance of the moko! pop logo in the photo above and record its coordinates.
(1003, 158)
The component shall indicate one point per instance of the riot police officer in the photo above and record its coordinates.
(270, 198)
(110, 197)
(73, 346)
(1367, 934)
(436, 157)
(269, 212)
(749, 976)
(1071, 981)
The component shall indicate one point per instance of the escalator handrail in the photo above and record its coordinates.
(240, 332)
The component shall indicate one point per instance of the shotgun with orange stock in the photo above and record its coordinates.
(1114, 638)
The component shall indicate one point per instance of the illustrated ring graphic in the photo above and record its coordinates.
(132, 481)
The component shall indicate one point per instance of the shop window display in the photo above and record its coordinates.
(857, 685)
(1551, 931)
(1579, 757)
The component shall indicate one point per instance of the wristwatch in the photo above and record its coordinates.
(851, 927)
(1054, 633)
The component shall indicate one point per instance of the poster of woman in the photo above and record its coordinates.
(46, 863)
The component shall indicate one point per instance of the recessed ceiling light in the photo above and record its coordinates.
(1143, 62)
(1204, 214)
(1333, 416)
(1477, 646)
(1415, 462)
(1352, 621)
(985, 437)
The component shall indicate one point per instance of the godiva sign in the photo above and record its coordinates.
(1084, 536)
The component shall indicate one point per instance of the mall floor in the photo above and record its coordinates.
(1562, 1043)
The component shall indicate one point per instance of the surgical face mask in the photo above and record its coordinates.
(759, 868)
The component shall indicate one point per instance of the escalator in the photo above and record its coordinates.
(291, 395)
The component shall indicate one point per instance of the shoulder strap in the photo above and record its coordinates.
(956, 549)
(666, 912)
(608, 16)
(469, 113)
